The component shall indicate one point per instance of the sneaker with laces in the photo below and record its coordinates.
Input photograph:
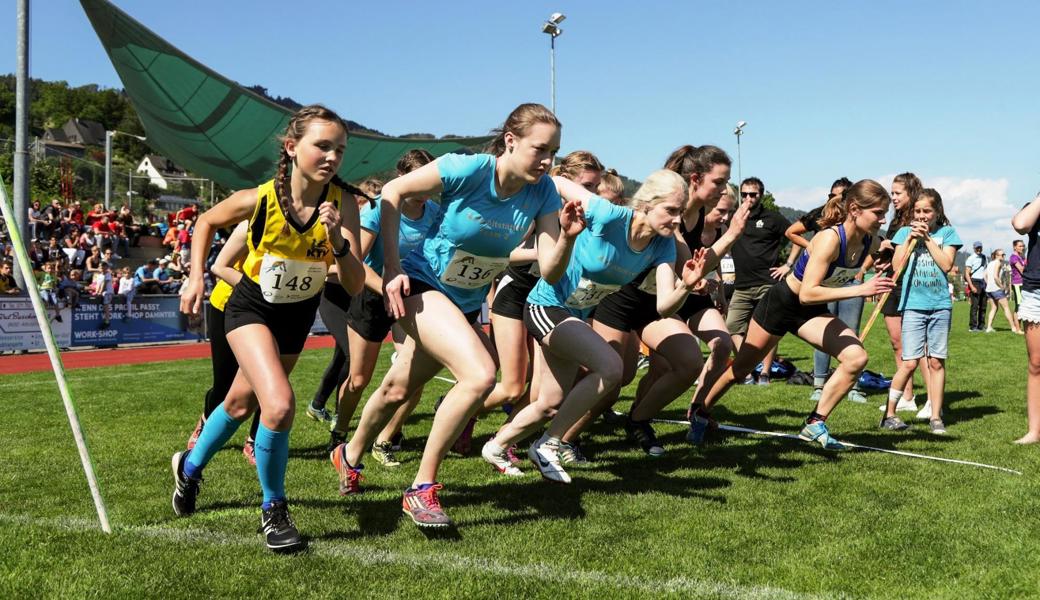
(194, 438)
(763, 380)
(384, 454)
(643, 433)
(937, 427)
(816, 394)
(279, 530)
(893, 423)
(818, 433)
(321, 415)
(499, 459)
(571, 454)
(423, 506)
(699, 426)
(249, 450)
(544, 453)
(856, 396)
(465, 442)
(185, 489)
(335, 439)
(925, 414)
(903, 405)
(349, 475)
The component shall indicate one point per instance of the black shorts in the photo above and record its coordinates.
(891, 306)
(780, 312)
(627, 309)
(368, 316)
(511, 294)
(541, 320)
(694, 304)
(419, 287)
(290, 323)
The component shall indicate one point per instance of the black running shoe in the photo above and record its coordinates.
(185, 489)
(279, 530)
(335, 439)
(643, 433)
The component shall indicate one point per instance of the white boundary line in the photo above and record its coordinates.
(463, 565)
(748, 430)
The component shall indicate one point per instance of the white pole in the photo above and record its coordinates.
(56, 364)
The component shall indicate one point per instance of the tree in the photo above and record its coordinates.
(148, 190)
(188, 189)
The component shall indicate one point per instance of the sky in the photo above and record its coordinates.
(946, 90)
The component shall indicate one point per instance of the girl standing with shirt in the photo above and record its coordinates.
(1027, 222)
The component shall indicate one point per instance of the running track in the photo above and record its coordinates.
(83, 359)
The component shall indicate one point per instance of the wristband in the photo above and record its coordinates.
(342, 251)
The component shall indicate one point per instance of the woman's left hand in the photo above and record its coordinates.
(693, 269)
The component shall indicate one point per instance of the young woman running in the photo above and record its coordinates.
(797, 304)
(905, 189)
(996, 291)
(631, 313)
(850, 310)
(507, 312)
(367, 321)
(1027, 222)
(299, 223)
(925, 304)
(488, 202)
(617, 245)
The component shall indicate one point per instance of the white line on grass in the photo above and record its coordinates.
(83, 376)
(790, 436)
(463, 565)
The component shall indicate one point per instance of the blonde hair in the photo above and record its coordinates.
(658, 187)
(611, 184)
(575, 163)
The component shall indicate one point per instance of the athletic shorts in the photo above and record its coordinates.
(368, 316)
(627, 310)
(289, 323)
(891, 306)
(742, 306)
(997, 294)
(1029, 310)
(781, 312)
(694, 304)
(926, 332)
(511, 295)
(1016, 294)
(419, 287)
(541, 320)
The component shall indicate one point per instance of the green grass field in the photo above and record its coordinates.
(746, 516)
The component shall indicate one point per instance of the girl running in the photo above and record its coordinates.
(797, 304)
(488, 202)
(299, 223)
(996, 289)
(925, 303)
(617, 245)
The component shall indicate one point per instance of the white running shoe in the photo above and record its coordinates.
(545, 455)
(498, 458)
(903, 405)
(925, 414)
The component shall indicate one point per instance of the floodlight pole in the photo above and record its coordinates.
(739, 131)
(552, 28)
(21, 134)
(108, 164)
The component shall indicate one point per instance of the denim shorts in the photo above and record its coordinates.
(997, 294)
(1029, 310)
(926, 329)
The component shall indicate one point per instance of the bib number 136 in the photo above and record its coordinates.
(470, 271)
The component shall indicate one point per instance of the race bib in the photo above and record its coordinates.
(284, 280)
(469, 271)
(589, 294)
(840, 277)
(726, 265)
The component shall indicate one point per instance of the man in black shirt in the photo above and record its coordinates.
(755, 257)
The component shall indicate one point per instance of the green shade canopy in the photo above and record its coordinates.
(215, 127)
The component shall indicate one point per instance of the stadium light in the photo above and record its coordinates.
(552, 28)
(739, 131)
(108, 161)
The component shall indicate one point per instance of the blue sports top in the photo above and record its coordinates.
(470, 240)
(411, 233)
(838, 274)
(602, 261)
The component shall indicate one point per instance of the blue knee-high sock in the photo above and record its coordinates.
(218, 430)
(272, 454)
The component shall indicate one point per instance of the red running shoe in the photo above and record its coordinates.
(423, 506)
(195, 434)
(249, 450)
(349, 476)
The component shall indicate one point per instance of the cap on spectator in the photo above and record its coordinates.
(164, 261)
(977, 245)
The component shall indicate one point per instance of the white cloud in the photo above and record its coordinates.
(979, 209)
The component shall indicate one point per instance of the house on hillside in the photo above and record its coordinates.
(72, 138)
(158, 169)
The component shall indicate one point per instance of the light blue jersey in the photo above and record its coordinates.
(411, 233)
(469, 242)
(602, 261)
(925, 286)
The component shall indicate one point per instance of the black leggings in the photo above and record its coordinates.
(225, 365)
(335, 303)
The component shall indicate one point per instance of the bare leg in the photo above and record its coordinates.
(829, 334)
(627, 346)
(671, 339)
(364, 355)
(1032, 436)
(753, 349)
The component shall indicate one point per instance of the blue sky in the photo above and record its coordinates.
(947, 90)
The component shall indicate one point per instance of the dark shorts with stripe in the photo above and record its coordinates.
(511, 294)
(627, 309)
(541, 320)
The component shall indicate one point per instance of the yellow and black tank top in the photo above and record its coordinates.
(288, 263)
